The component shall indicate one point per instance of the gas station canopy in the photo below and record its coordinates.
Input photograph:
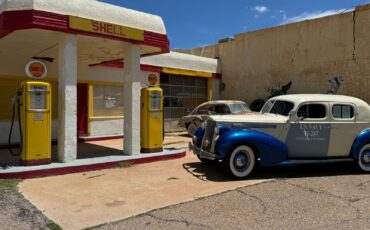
(31, 28)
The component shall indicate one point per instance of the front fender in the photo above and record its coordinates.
(362, 139)
(270, 150)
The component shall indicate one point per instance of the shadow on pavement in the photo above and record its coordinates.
(216, 173)
(84, 150)
(206, 172)
(89, 150)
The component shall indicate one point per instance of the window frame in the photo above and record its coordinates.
(343, 119)
(221, 104)
(92, 115)
(209, 108)
(325, 104)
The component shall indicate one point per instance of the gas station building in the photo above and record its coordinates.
(98, 58)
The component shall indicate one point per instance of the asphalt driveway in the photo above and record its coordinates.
(330, 196)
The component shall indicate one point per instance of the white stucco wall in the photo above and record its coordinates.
(106, 127)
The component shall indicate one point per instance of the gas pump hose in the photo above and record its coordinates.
(20, 128)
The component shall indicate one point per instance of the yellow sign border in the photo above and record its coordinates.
(187, 72)
(105, 28)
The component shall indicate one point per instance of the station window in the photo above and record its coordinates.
(107, 101)
(342, 111)
(181, 94)
(315, 111)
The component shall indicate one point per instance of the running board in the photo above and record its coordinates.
(321, 161)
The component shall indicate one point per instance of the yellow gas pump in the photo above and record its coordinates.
(34, 115)
(151, 120)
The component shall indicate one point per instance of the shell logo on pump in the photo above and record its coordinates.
(36, 69)
(152, 79)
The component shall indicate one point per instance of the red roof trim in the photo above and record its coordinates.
(120, 64)
(28, 19)
(217, 76)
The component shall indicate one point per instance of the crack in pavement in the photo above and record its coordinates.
(187, 223)
(321, 192)
(259, 200)
(362, 184)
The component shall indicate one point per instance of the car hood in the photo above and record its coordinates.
(251, 117)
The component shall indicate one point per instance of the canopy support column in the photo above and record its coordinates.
(132, 100)
(67, 99)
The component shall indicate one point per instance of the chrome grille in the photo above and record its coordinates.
(208, 135)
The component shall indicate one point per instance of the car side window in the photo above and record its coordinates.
(205, 109)
(221, 109)
(315, 111)
(342, 111)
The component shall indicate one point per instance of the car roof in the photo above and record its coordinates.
(221, 102)
(300, 98)
(363, 108)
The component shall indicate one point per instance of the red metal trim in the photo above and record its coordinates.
(35, 162)
(28, 19)
(120, 64)
(157, 40)
(217, 76)
(84, 168)
(151, 68)
(92, 139)
(152, 150)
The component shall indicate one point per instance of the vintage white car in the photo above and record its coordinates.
(289, 129)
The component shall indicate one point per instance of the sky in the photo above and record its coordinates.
(194, 23)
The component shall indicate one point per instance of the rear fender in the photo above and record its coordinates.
(270, 150)
(362, 139)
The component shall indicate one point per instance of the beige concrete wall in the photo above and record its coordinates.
(308, 53)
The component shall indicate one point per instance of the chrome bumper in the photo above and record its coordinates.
(201, 153)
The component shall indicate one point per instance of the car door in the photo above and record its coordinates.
(309, 135)
(344, 129)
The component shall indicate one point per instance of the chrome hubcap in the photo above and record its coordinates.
(366, 157)
(241, 161)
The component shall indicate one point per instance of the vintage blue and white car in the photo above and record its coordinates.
(289, 129)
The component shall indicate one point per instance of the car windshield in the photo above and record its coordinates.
(239, 108)
(278, 107)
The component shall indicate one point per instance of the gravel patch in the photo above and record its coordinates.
(18, 213)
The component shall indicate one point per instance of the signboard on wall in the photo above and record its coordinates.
(36, 69)
(105, 28)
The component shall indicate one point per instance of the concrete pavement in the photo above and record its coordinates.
(81, 200)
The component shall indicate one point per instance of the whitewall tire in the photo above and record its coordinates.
(240, 162)
(364, 158)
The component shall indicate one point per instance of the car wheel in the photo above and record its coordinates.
(364, 158)
(192, 128)
(240, 162)
(207, 161)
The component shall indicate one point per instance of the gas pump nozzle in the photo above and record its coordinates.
(16, 99)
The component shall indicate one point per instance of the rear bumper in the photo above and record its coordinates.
(201, 153)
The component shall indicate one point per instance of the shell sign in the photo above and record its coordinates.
(36, 69)
(152, 79)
